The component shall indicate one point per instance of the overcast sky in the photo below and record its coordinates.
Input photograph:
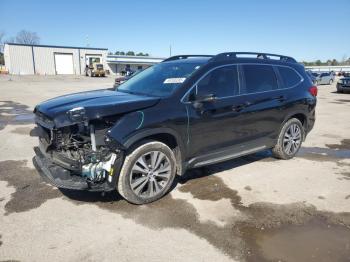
(307, 30)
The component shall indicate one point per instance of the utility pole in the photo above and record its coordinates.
(170, 50)
(87, 40)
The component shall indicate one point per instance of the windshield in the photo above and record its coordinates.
(159, 80)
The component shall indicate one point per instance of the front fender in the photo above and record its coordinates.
(135, 126)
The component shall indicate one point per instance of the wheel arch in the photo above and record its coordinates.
(301, 116)
(165, 135)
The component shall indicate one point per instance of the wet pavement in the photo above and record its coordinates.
(254, 208)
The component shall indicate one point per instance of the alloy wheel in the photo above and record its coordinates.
(150, 174)
(292, 139)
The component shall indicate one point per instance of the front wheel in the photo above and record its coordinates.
(289, 140)
(148, 172)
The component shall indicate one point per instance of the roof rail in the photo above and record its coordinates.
(233, 55)
(178, 57)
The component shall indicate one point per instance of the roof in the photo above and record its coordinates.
(57, 46)
(189, 60)
(122, 59)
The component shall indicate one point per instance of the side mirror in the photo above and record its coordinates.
(205, 98)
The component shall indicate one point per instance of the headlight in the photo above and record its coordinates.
(77, 114)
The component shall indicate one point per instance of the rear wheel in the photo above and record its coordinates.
(289, 140)
(147, 173)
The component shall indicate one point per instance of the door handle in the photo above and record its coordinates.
(238, 108)
(281, 98)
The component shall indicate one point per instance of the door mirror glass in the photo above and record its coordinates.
(205, 98)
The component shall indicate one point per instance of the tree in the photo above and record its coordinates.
(140, 54)
(10, 40)
(2, 34)
(122, 53)
(117, 53)
(27, 37)
(130, 53)
(334, 62)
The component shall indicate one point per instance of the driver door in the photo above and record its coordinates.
(214, 124)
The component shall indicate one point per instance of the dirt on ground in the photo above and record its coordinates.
(253, 208)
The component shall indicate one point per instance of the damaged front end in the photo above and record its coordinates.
(78, 155)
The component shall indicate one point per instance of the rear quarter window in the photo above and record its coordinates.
(289, 76)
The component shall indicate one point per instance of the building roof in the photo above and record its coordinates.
(123, 59)
(56, 46)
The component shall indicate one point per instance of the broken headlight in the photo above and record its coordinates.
(77, 114)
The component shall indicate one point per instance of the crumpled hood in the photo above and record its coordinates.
(97, 104)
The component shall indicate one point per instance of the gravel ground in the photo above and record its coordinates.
(254, 208)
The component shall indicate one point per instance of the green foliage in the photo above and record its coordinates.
(2, 60)
(329, 62)
(130, 53)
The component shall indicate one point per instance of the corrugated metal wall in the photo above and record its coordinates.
(19, 59)
(44, 58)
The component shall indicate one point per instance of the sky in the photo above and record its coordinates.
(305, 29)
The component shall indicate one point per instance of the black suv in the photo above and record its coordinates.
(186, 112)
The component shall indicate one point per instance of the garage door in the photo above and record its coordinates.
(64, 64)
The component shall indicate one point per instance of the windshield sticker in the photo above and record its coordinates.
(178, 80)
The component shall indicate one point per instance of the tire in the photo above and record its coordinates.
(141, 187)
(330, 82)
(89, 73)
(281, 149)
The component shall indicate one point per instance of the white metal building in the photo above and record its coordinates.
(120, 63)
(23, 59)
(344, 68)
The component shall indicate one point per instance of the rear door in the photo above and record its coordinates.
(264, 103)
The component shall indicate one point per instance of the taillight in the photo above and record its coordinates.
(313, 90)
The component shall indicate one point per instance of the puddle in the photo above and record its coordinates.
(13, 113)
(314, 241)
(344, 145)
(30, 192)
(24, 118)
(203, 184)
(324, 154)
(249, 237)
(343, 100)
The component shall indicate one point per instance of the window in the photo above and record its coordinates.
(258, 78)
(289, 76)
(159, 80)
(221, 82)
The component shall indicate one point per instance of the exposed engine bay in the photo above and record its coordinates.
(80, 148)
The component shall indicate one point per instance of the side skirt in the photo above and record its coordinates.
(227, 154)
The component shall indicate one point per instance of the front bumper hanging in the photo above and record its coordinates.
(63, 178)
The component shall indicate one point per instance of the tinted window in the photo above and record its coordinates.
(289, 76)
(258, 78)
(220, 82)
